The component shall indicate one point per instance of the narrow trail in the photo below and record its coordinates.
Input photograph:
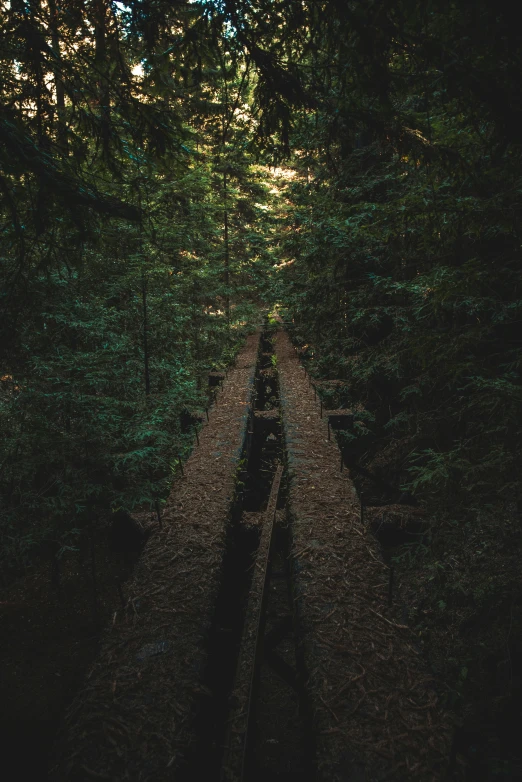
(375, 712)
(258, 643)
(133, 720)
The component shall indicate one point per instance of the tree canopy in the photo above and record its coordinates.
(171, 170)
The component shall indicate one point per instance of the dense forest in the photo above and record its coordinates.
(171, 172)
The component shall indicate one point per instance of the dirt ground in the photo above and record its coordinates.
(375, 705)
(134, 716)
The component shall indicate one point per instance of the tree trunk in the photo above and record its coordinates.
(100, 60)
(94, 580)
(145, 334)
(61, 133)
(227, 248)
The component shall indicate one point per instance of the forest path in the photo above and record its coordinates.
(180, 664)
(374, 707)
(133, 718)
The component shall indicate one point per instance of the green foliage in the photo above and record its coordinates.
(402, 267)
(136, 184)
(124, 156)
